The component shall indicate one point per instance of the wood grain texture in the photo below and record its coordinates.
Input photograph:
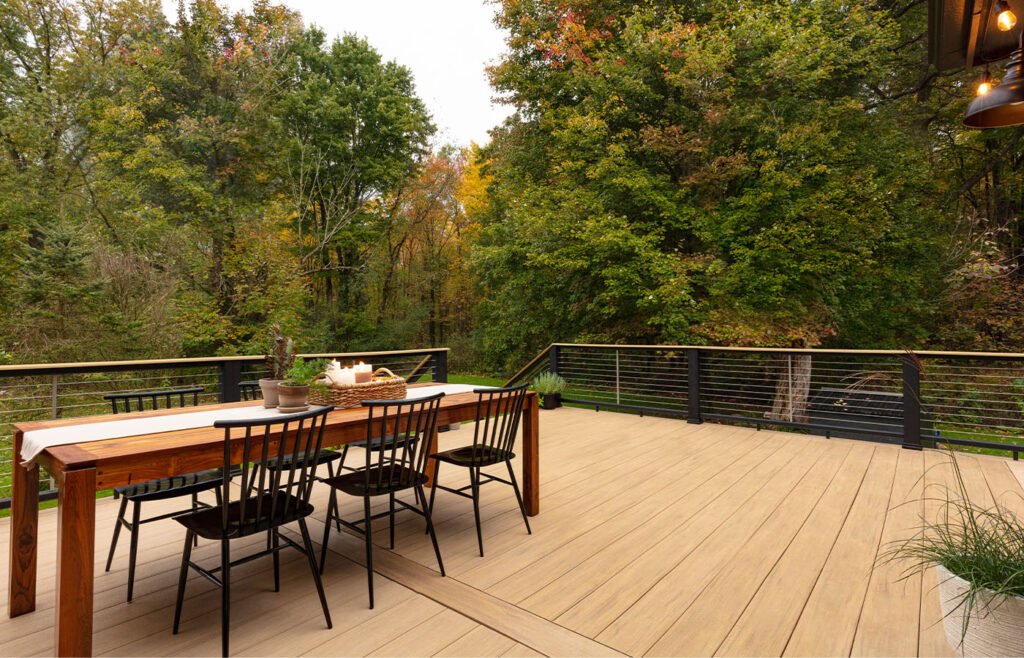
(24, 532)
(531, 456)
(76, 537)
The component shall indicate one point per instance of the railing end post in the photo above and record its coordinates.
(229, 380)
(911, 405)
(693, 414)
(439, 366)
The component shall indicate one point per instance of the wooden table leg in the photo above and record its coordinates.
(531, 457)
(431, 449)
(21, 592)
(76, 544)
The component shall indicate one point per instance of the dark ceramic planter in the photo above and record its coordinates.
(551, 401)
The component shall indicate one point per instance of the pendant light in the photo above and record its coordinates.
(1002, 105)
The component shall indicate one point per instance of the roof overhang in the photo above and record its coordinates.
(963, 33)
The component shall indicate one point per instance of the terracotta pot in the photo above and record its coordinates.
(994, 627)
(290, 397)
(269, 388)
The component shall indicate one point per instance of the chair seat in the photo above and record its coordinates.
(172, 487)
(474, 456)
(325, 457)
(383, 480)
(379, 443)
(207, 523)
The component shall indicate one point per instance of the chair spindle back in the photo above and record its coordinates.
(277, 493)
(404, 428)
(186, 397)
(498, 411)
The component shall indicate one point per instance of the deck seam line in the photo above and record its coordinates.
(754, 531)
(609, 519)
(725, 465)
(878, 546)
(443, 601)
(717, 526)
(789, 544)
(824, 563)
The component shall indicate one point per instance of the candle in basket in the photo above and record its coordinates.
(346, 377)
(364, 372)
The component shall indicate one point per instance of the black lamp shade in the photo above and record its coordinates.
(1003, 105)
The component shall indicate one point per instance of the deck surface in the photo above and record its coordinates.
(656, 537)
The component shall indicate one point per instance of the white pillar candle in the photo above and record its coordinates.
(347, 377)
(364, 372)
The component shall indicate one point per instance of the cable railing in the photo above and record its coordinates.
(971, 401)
(67, 390)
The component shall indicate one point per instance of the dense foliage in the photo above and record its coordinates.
(772, 173)
(787, 172)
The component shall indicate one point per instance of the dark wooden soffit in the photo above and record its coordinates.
(963, 33)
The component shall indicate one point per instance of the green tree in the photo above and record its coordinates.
(705, 172)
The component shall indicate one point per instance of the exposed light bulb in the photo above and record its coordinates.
(1005, 18)
(985, 85)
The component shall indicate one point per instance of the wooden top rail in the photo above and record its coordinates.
(146, 364)
(800, 350)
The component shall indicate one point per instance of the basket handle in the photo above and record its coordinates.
(393, 375)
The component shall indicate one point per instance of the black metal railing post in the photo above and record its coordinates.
(553, 359)
(439, 366)
(911, 404)
(693, 386)
(229, 376)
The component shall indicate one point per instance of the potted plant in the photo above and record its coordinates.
(978, 555)
(549, 386)
(293, 392)
(280, 357)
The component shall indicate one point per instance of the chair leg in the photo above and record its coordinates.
(391, 519)
(331, 510)
(316, 572)
(274, 542)
(117, 531)
(474, 478)
(195, 508)
(430, 530)
(433, 489)
(369, 547)
(334, 492)
(225, 594)
(519, 496)
(133, 546)
(186, 555)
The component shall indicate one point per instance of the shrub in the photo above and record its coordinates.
(548, 383)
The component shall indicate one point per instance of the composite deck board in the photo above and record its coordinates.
(655, 537)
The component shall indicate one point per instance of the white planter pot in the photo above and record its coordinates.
(269, 388)
(996, 625)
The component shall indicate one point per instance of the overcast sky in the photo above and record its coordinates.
(446, 44)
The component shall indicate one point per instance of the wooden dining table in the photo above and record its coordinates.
(82, 469)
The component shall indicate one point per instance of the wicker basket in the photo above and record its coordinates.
(389, 387)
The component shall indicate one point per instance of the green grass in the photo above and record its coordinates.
(475, 380)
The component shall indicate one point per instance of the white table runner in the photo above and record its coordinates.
(35, 441)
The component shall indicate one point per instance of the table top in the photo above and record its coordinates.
(199, 445)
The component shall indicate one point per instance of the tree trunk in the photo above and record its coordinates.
(792, 387)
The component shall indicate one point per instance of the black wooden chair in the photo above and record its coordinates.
(280, 497)
(250, 390)
(173, 487)
(398, 434)
(498, 411)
